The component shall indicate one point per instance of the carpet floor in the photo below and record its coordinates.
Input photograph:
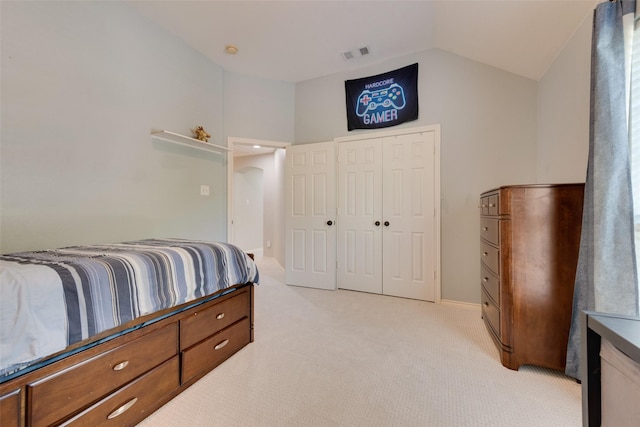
(342, 358)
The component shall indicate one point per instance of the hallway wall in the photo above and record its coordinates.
(272, 219)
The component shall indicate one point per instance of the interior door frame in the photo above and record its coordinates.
(232, 141)
(436, 191)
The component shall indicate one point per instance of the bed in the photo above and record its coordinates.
(106, 334)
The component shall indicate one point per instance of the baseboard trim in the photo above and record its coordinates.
(462, 304)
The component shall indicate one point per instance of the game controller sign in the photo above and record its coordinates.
(384, 100)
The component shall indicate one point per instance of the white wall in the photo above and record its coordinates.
(563, 112)
(257, 108)
(248, 207)
(278, 194)
(269, 211)
(83, 83)
(488, 120)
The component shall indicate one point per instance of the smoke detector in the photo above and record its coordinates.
(356, 53)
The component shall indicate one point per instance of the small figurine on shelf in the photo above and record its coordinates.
(201, 134)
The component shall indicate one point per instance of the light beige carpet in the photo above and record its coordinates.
(323, 358)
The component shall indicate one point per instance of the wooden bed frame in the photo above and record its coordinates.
(122, 380)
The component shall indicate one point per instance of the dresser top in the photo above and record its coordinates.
(524, 186)
(567, 184)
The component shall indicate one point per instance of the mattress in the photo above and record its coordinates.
(52, 299)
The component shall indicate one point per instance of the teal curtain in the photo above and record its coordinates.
(606, 277)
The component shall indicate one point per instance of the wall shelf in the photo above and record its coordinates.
(176, 138)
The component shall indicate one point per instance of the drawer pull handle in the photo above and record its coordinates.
(120, 366)
(492, 205)
(485, 253)
(220, 316)
(486, 303)
(485, 228)
(485, 279)
(221, 345)
(122, 409)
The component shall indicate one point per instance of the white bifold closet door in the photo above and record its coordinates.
(310, 209)
(360, 215)
(386, 216)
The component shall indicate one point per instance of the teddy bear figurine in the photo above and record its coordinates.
(201, 134)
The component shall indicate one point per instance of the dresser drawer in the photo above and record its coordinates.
(484, 205)
(490, 283)
(215, 350)
(68, 391)
(491, 314)
(11, 409)
(133, 402)
(209, 321)
(494, 204)
(490, 256)
(490, 230)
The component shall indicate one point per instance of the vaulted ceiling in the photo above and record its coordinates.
(299, 40)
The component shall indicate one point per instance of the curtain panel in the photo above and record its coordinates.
(606, 276)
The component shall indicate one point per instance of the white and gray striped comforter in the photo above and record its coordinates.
(54, 298)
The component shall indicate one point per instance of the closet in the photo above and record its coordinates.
(386, 219)
(362, 213)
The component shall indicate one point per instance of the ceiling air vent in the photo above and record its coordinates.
(347, 55)
(356, 53)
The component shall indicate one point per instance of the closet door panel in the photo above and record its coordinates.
(359, 208)
(408, 208)
(310, 210)
(387, 215)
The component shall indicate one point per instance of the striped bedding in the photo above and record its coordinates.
(54, 298)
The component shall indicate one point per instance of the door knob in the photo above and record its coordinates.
(386, 223)
(377, 223)
(329, 223)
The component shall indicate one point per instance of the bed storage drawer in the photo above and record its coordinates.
(68, 391)
(133, 402)
(83, 387)
(208, 321)
(215, 350)
(11, 409)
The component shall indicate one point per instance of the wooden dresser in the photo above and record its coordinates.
(121, 381)
(529, 243)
